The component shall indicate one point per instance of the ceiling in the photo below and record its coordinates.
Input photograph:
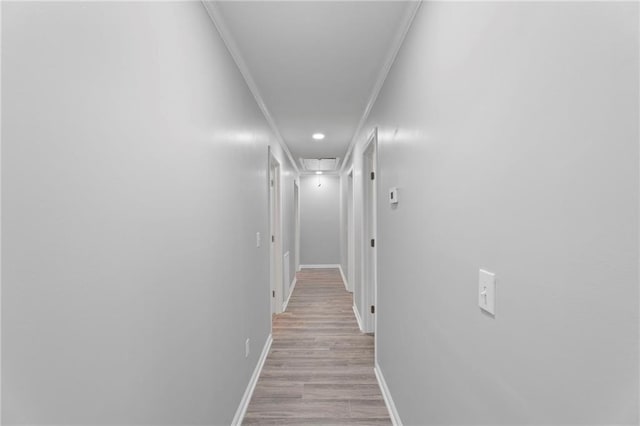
(314, 66)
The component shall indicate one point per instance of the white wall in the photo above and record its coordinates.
(319, 220)
(511, 131)
(133, 184)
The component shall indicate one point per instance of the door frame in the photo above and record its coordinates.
(296, 220)
(369, 232)
(351, 249)
(275, 234)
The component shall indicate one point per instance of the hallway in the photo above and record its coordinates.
(320, 367)
(417, 213)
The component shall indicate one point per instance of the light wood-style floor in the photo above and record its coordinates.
(320, 367)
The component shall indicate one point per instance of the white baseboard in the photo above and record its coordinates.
(286, 302)
(388, 400)
(344, 279)
(320, 266)
(357, 314)
(246, 398)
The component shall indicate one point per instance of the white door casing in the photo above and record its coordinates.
(370, 243)
(275, 236)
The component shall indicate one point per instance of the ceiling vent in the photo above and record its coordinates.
(320, 164)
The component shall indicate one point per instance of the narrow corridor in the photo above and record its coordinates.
(206, 205)
(320, 367)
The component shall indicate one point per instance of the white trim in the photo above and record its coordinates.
(639, 238)
(293, 285)
(344, 279)
(1, 6)
(369, 262)
(384, 72)
(386, 394)
(246, 398)
(358, 319)
(320, 266)
(296, 223)
(286, 278)
(232, 47)
(351, 223)
(276, 257)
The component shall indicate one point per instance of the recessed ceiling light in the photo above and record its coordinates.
(318, 173)
(318, 136)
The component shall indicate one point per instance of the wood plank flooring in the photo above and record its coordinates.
(320, 367)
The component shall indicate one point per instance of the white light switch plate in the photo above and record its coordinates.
(487, 291)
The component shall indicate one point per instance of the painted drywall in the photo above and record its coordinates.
(319, 220)
(134, 181)
(511, 132)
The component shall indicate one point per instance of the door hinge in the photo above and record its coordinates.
(373, 309)
(373, 175)
(273, 293)
(373, 242)
(273, 238)
(271, 182)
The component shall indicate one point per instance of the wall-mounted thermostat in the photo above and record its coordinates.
(393, 195)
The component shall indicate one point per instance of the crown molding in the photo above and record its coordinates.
(412, 9)
(232, 47)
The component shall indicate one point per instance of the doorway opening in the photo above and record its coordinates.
(275, 230)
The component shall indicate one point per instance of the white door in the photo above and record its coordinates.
(350, 235)
(369, 234)
(275, 236)
(296, 218)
